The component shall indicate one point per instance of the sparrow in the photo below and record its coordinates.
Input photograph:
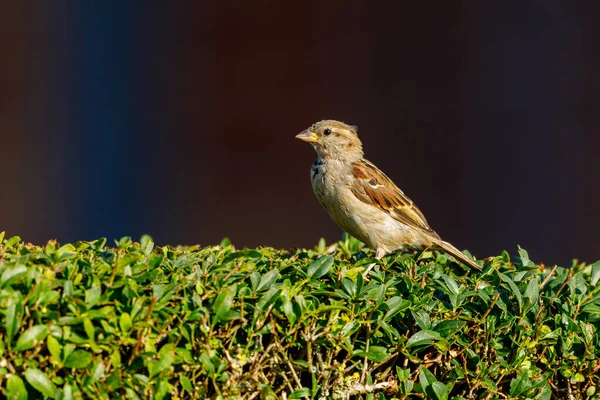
(362, 200)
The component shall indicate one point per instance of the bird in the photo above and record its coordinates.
(362, 200)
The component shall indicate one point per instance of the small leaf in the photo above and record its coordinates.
(533, 290)
(186, 383)
(514, 289)
(268, 298)
(40, 382)
(12, 274)
(267, 280)
(396, 304)
(524, 257)
(424, 337)
(422, 319)
(146, 244)
(14, 310)
(92, 296)
(289, 311)
(78, 359)
(223, 303)
(595, 273)
(125, 322)
(12, 241)
(349, 287)
(376, 353)
(54, 348)
(440, 391)
(320, 267)
(520, 385)
(31, 337)
(449, 327)
(15, 388)
(349, 328)
(65, 252)
(166, 355)
(300, 393)
(426, 378)
(450, 284)
(248, 253)
(127, 259)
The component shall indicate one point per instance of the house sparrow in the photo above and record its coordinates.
(362, 200)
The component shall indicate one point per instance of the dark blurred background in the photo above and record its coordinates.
(177, 119)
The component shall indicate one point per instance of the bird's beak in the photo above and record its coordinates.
(307, 136)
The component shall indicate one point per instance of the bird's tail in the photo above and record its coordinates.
(458, 255)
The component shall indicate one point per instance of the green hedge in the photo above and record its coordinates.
(138, 321)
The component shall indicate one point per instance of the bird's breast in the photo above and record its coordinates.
(377, 228)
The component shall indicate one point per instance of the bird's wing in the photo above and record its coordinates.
(373, 187)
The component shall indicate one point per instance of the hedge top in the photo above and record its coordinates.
(140, 321)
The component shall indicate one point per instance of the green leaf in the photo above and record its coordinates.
(248, 253)
(595, 273)
(31, 337)
(14, 310)
(395, 304)
(78, 359)
(12, 241)
(300, 393)
(449, 327)
(54, 348)
(15, 388)
(223, 303)
(439, 391)
(375, 353)
(146, 244)
(349, 287)
(97, 372)
(268, 298)
(65, 252)
(422, 319)
(186, 383)
(426, 378)
(320, 267)
(423, 338)
(520, 385)
(533, 290)
(40, 382)
(12, 274)
(349, 328)
(524, 257)
(290, 311)
(127, 259)
(125, 322)
(450, 284)
(267, 280)
(92, 296)
(514, 289)
(166, 355)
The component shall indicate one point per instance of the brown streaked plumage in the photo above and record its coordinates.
(362, 200)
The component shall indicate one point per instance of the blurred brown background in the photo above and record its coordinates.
(178, 119)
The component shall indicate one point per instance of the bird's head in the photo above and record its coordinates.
(333, 139)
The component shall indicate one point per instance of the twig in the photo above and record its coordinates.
(394, 355)
(548, 277)
(114, 271)
(365, 364)
(356, 389)
(567, 279)
(484, 316)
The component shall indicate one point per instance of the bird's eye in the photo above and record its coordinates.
(327, 132)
